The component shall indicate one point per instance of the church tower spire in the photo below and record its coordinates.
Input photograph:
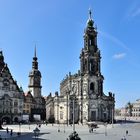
(90, 13)
(35, 63)
(90, 57)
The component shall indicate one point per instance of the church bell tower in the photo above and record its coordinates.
(90, 59)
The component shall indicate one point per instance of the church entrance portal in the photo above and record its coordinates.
(16, 119)
(93, 115)
(6, 119)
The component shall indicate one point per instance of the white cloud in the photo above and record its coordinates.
(135, 12)
(119, 55)
(114, 39)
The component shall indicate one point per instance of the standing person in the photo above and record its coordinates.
(126, 132)
(7, 130)
(11, 132)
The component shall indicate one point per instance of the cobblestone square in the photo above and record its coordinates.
(50, 132)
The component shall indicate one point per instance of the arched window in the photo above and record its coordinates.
(92, 86)
(85, 66)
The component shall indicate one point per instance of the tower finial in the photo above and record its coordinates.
(90, 13)
(35, 51)
(90, 21)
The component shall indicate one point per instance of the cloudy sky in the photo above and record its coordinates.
(57, 27)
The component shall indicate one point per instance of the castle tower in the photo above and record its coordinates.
(35, 78)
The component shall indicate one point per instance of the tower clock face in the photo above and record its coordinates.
(37, 80)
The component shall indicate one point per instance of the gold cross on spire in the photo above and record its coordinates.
(90, 13)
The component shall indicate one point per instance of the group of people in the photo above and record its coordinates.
(11, 132)
(124, 138)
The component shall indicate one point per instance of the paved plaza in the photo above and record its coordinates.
(50, 132)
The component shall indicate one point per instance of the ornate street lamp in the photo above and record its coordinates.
(74, 134)
(112, 116)
(64, 127)
(36, 132)
(19, 132)
(29, 125)
(74, 98)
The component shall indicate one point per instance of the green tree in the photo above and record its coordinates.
(129, 107)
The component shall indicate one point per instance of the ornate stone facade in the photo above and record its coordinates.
(50, 108)
(82, 93)
(11, 96)
(135, 109)
(29, 103)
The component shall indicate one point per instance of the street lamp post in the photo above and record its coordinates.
(112, 117)
(19, 133)
(68, 107)
(29, 125)
(58, 127)
(105, 129)
(74, 89)
(58, 114)
(73, 114)
(64, 127)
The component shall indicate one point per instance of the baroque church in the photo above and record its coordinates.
(81, 95)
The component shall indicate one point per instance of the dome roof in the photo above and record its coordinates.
(90, 21)
(35, 72)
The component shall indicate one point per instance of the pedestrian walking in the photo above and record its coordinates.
(11, 132)
(124, 138)
(126, 132)
(7, 130)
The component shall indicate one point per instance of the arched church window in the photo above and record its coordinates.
(92, 66)
(92, 86)
(95, 40)
(90, 42)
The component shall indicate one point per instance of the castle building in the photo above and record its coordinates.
(11, 96)
(81, 95)
(15, 105)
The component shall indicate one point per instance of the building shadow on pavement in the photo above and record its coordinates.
(32, 136)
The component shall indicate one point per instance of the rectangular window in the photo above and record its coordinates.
(15, 111)
(61, 115)
(90, 42)
(15, 104)
(27, 106)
